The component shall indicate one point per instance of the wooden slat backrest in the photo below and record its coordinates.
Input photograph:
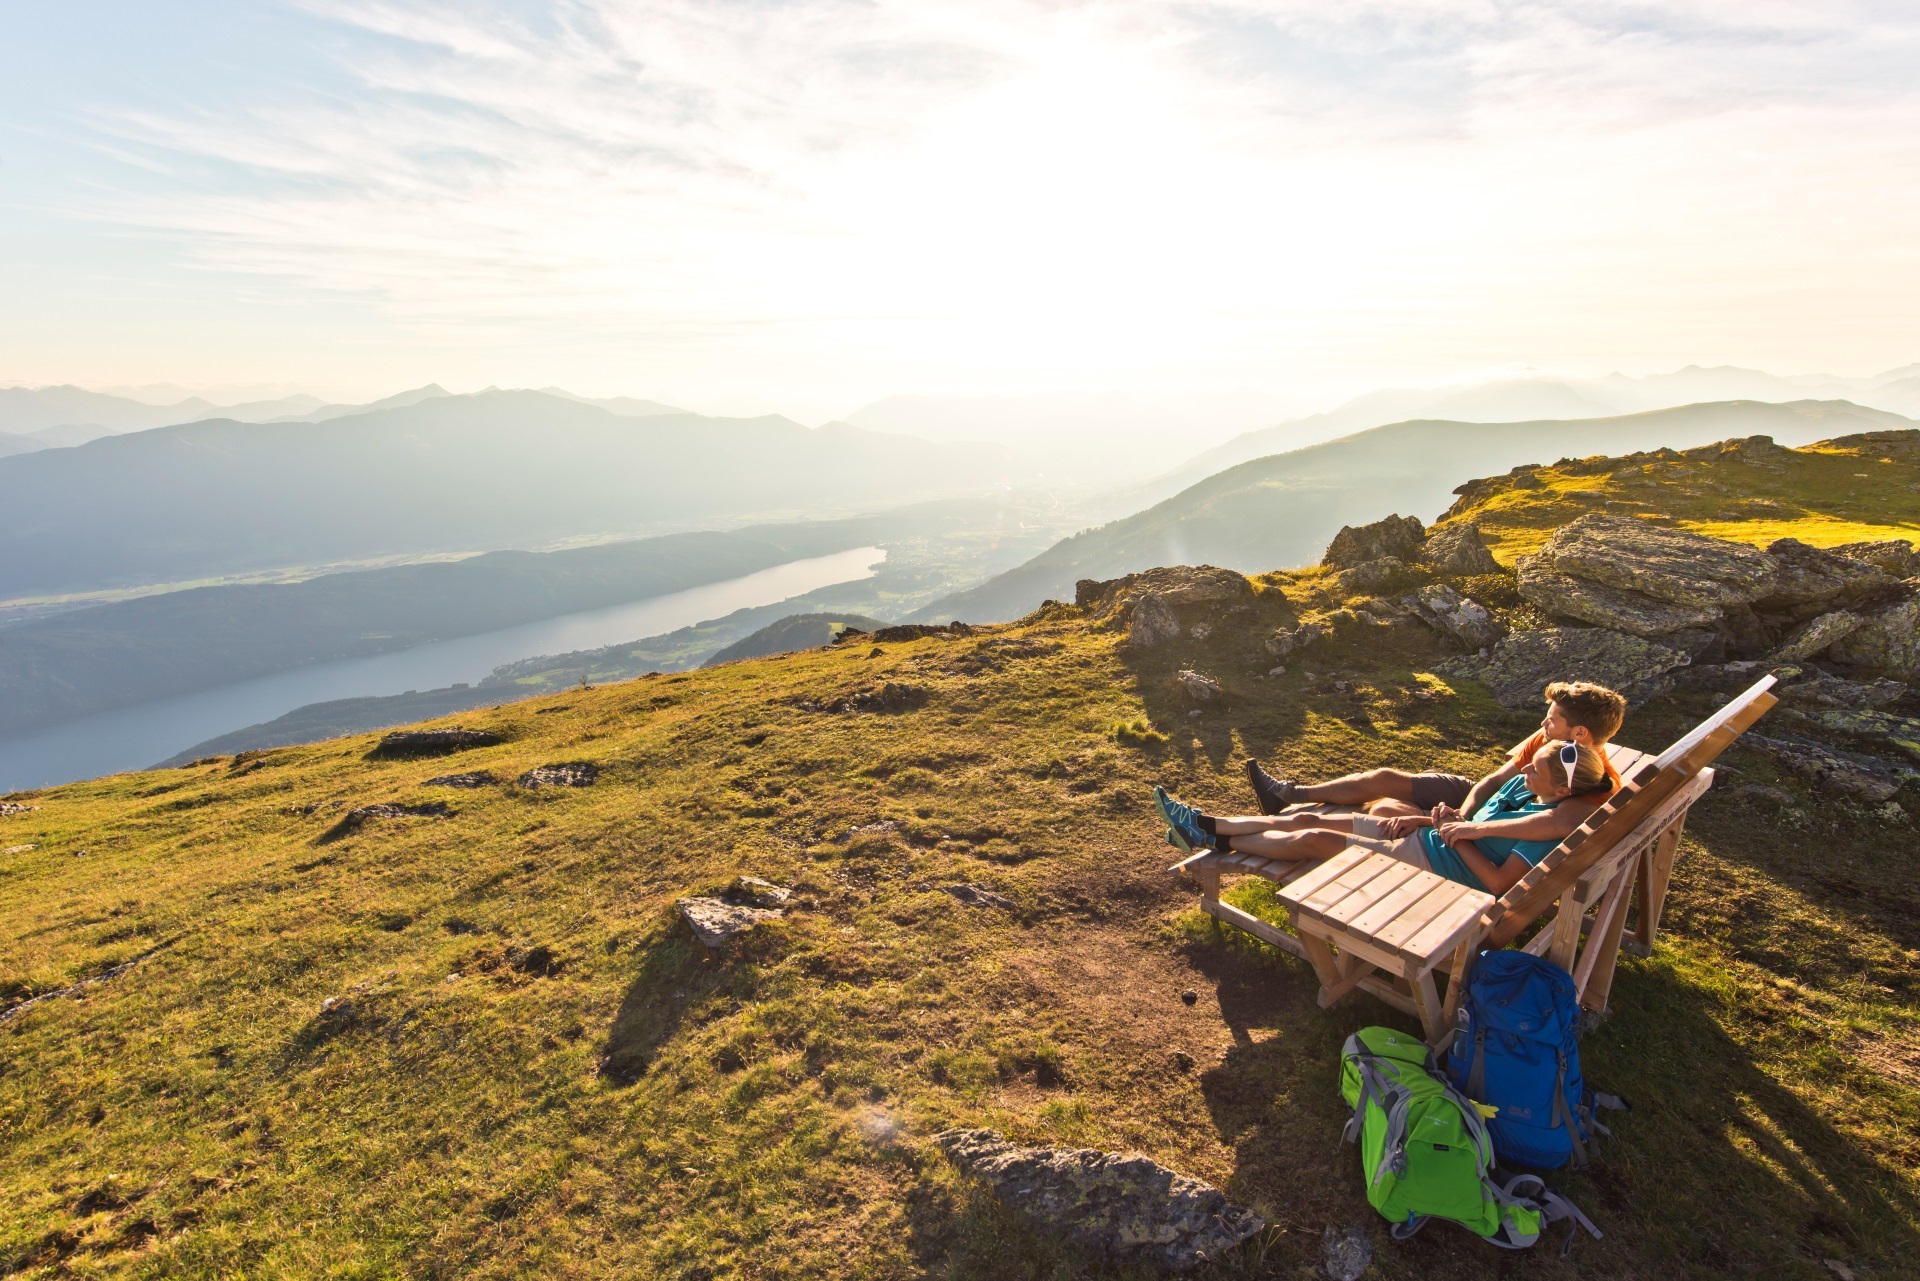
(1646, 787)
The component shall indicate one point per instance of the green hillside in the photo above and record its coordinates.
(482, 1044)
(1281, 510)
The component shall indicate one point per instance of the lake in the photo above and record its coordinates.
(134, 738)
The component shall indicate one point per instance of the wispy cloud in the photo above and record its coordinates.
(1047, 190)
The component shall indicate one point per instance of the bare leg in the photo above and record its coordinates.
(1396, 809)
(1316, 843)
(1358, 789)
(1254, 824)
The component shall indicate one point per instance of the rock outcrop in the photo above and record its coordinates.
(1159, 606)
(715, 921)
(1119, 1206)
(434, 742)
(1886, 641)
(1458, 551)
(978, 896)
(568, 774)
(1397, 536)
(1450, 613)
(1634, 576)
(1523, 664)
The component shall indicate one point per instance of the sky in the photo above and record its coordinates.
(808, 205)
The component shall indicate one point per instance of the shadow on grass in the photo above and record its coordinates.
(1719, 1170)
(677, 974)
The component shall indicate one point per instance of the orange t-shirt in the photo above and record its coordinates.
(1526, 751)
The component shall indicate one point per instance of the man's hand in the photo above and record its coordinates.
(1444, 813)
(1457, 831)
(1402, 825)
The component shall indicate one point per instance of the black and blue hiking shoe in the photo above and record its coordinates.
(1274, 794)
(1182, 822)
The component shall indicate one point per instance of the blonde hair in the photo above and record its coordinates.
(1589, 772)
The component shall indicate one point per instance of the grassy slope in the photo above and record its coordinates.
(1825, 494)
(596, 1094)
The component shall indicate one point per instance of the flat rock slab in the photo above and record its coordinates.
(1562, 595)
(479, 778)
(10, 808)
(1671, 565)
(1119, 1205)
(978, 896)
(1870, 778)
(354, 820)
(1522, 665)
(434, 742)
(714, 920)
(570, 774)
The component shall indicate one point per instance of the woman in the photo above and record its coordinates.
(1489, 851)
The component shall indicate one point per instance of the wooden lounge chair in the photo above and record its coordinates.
(1366, 920)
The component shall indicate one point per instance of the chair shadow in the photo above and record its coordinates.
(1716, 1170)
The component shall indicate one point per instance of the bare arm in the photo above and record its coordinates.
(1488, 786)
(1498, 878)
(1548, 825)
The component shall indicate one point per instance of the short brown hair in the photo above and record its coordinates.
(1595, 708)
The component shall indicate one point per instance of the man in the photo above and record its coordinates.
(1578, 712)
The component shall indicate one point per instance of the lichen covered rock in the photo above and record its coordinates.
(714, 920)
(1671, 565)
(1117, 1205)
(1397, 536)
(1523, 664)
(1815, 635)
(1447, 611)
(1809, 581)
(1459, 551)
(1561, 595)
(1887, 641)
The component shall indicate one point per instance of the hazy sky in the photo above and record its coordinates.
(809, 205)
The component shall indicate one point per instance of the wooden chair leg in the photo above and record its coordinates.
(1659, 871)
(1426, 998)
(1566, 927)
(1209, 884)
(1457, 985)
(1353, 971)
(1320, 956)
(1593, 976)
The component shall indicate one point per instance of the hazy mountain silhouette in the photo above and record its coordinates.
(1282, 510)
(500, 469)
(1526, 399)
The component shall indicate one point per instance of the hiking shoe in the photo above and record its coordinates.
(1179, 842)
(1181, 820)
(1274, 794)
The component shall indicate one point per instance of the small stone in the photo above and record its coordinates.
(1200, 631)
(755, 892)
(1276, 671)
(569, 774)
(336, 1007)
(1197, 686)
(1345, 1253)
(1839, 1269)
(978, 896)
(1190, 996)
(1196, 712)
(714, 920)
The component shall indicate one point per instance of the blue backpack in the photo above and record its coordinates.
(1515, 1049)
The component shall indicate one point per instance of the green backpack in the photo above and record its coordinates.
(1425, 1150)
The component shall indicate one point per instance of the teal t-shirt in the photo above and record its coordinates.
(1511, 801)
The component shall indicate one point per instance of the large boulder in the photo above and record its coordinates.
(1396, 536)
(1120, 1206)
(1869, 778)
(1810, 581)
(1461, 617)
(1671, 565)
(1154, 606)
(1561, 595)
(1815, 635)
(1887, 641)
(1458, 551)
(1371, 576)
(1525, 663)
(1894, 556)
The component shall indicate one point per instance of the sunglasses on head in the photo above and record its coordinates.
(1570, 758)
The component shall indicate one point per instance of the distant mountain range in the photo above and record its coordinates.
(60, 417)
(1281, 510)
(444, 473)
(1533, 398)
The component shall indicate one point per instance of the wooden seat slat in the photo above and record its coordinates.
(1390, 906)
(1365, 869)
(1322, 873)
(1445, 900)
(1381, 886)
(1444, 930)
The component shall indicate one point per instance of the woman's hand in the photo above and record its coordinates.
(1444, 813)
